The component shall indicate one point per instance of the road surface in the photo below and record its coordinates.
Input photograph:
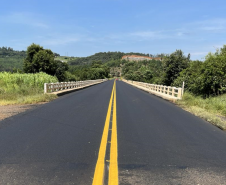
(157, 142)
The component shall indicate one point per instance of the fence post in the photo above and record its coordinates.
(182, 92)
(179, 95)
(45, 88)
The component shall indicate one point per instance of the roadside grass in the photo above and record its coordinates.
(18, 88)
(211, 109)
(31, 99)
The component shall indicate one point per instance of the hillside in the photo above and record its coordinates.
(103, 57)
(65, 58)
(11, 59)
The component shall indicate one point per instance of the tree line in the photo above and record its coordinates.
(39, 59)
(205, 78)
(11, 59)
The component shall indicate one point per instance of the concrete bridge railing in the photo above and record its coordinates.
(167, 92)
(55, 88)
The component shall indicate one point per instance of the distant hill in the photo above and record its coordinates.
(102, 56)
(11, 59)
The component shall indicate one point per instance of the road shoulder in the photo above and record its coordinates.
(12, 110)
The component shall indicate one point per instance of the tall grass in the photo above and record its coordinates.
(16, 88)
(212, 109)
(215, 105)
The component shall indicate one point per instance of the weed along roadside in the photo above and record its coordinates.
(16, 88)
(212, 109)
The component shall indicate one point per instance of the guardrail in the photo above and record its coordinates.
(168, 92)
(65, 86)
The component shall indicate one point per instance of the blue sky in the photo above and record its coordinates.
(84, 27)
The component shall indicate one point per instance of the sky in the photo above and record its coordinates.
(84, 27)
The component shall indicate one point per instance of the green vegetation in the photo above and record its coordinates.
(115, 63)
(143, 71)
(10, 59)
(173, 65)
(155, 71)
(206, 78)
(30, 69)
(211, 109)
(16, 88)
(96, 70)
(103, 57)
(42, 60)
(65, 58)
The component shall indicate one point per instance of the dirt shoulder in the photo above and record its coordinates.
(11, 110)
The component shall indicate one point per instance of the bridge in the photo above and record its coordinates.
(111, 133)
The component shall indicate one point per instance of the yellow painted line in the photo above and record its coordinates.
(99, 170)
(113, 169)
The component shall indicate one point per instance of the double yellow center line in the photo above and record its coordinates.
(100, 166)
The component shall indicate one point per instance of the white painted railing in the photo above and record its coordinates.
(61, 86)
(160, 90)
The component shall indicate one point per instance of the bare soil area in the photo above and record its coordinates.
(11, 110)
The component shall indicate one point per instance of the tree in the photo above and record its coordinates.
(173, 65)
(61, 73)
(214, 73)
(205, 78)
(42, 60)
(192, 77)
(28, 66)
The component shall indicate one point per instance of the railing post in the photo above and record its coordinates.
(179, 95)
(182, 92)
(51, 89)
(168, 90)
(45, 88)
(57, 86)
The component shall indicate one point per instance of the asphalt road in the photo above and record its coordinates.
(56, 143)
(158, 142)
